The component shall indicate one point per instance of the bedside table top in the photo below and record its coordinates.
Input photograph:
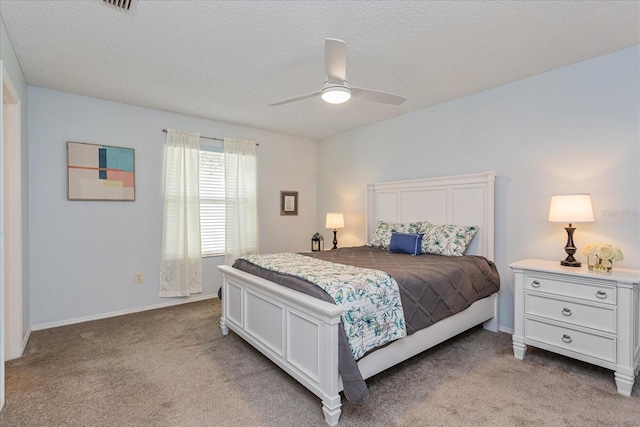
(618, 274)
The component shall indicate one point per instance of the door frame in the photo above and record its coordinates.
(11, 262)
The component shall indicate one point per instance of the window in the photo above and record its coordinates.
(212, 209)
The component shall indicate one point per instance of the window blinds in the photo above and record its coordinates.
(212, 196)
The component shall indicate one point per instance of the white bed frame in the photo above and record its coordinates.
(299, 333)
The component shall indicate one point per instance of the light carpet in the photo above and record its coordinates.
(172, 367)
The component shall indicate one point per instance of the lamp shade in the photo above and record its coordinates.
(571, 208)
(334, 220)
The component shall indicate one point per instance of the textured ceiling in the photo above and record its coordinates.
(227, 61)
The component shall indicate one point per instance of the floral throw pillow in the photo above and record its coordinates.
(381, 238)
(448, 240)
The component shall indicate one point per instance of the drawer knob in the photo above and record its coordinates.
(566, 312)
(535, 284)
(601, 295)
(566, 338)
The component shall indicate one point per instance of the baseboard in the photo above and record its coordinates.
(506, 330)
(501, 328)
(120, 312)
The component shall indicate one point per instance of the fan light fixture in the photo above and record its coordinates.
(336, 94)
(336, 89)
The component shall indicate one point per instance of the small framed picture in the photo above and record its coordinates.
(288, 203)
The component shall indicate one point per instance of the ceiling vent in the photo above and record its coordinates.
(124, 5)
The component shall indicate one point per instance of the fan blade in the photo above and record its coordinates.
(297, 98)
(376, 96)
(335, 59)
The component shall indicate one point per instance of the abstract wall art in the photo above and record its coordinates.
(100, 172)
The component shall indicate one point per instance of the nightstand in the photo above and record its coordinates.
(593, 317)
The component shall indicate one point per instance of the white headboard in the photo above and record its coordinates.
(459, 200)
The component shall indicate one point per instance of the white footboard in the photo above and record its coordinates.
(296, 331)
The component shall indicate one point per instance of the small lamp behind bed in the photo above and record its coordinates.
(335, 220)
(570, 208)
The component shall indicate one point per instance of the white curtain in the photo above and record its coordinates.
(241, 233)
(181, 261)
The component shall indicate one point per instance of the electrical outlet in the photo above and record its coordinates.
(139, 277)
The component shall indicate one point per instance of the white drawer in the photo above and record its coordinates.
(597, 346)
(601, 317)
(557, 286)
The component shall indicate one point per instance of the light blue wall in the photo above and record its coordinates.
(571, 130)
(12, 67)
(574, 129)
(84, 255)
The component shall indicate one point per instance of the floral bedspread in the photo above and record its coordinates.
(374, 313)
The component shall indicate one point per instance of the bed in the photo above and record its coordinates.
(300, 333)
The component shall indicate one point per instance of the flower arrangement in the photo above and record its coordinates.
(601, 256)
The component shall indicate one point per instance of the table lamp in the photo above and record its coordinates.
(335, 220)
(570, 208)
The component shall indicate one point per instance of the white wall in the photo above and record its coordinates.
(84, 254)
(574, 129)
(12, 67)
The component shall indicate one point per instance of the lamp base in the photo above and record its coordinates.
(570, 249)
(569, 263)
(335, 239)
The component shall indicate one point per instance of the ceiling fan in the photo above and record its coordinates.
(336, 89)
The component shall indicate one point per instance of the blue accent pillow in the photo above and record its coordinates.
(406, 243)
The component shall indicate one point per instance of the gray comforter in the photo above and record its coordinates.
(432, 287)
